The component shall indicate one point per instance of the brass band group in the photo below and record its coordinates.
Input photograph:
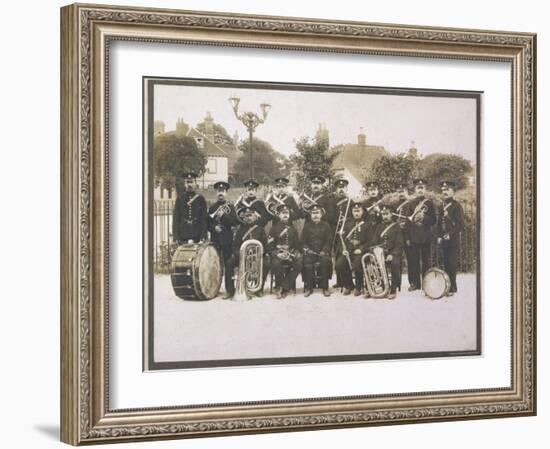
(363, 241)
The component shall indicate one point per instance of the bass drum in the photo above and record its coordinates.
(196, 271)
(436, 283)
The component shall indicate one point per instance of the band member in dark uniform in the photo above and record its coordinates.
(356, 240)
(280, 196)
(403, 212)
(250, 199)
(222, 218)
(373, 204)
(316, 243)
(190, 217)
(422, 218)
(390, 238)
(317, 197)
(450, 224)
(341, 215)
(283, 244)
(249, 229)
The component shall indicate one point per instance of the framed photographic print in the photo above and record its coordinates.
(266, 221)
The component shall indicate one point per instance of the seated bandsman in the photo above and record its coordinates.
(450, 224)
(317, 197)
(388, 235)
(316, 243)
(190, 217)
(250, 199)
(248, 230)
(281, 196)
(283, 244)
(373, 203)
(356, 241)
(221, 219)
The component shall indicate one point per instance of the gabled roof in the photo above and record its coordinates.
(357, 158)
(210, 148)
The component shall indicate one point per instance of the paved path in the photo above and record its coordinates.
(314, 326)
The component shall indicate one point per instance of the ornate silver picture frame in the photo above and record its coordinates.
(87, 392)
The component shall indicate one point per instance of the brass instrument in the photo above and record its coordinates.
(375, 273)
(224, 209)
(250, 274)
(374, 205)
(240, 209)
(340, 231)
(284, 253)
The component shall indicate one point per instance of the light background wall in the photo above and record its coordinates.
(29, 228)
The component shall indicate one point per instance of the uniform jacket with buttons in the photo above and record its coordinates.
(283, 235)
(317, 236)
(226, 221)
(248, 232)
(258, 206)
(453, 223)
(390, 238)
(190, 217)
(422, 233)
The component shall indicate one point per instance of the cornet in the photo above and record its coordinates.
(220, 212)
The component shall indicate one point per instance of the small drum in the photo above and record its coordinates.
(436, 283)
(196, 271)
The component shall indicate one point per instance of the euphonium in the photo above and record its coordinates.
(375, 274)
(250, 275)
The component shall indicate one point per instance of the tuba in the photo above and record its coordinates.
(250, 273)
(375, 274)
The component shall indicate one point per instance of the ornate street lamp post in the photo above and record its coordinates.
(251, 120)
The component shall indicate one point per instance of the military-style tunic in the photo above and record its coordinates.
(450, 223)
(284, 236)
(318, 238)
(372, 215)
(190, 218)
(356, 237)
(224, 238)
(390, 238)
(326, 201)
(290, 202)
(404, 208)
(258, 206)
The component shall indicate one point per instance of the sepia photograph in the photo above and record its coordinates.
(303, 223)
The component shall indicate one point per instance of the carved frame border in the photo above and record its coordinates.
(86, 32)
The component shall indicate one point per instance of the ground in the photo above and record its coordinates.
(316, 326)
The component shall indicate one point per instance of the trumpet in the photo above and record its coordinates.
(284, 254)
(220, 212)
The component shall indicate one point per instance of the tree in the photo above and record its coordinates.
(268, 163)
(312, 158)
(221, 135)
(451, 167)
(392, 170)
(175, 155)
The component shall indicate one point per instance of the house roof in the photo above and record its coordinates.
(357, 158)
(210, 148)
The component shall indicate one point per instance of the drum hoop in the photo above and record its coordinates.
(196, 281)
(445, 277)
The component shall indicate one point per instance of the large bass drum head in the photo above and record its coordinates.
(208, 272)
(436, 283)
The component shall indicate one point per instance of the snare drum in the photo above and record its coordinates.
(196, 271)
(436, 283)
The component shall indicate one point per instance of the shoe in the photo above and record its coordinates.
(228, 295)
(392, 295)
(357, 292)
(412, 288)
(279, 295)
(347, 291)
(259, 294)
(326, 292)
(367, 296)
(336, 285)
(308, 293)
(450, 294)
(283, 294)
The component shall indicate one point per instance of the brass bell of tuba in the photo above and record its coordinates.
(250, 275)
(375, 273)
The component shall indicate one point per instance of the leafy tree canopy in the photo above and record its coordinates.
(392, 170)
(313, 157)
(268, 163)
(452, 167)
(175, 155)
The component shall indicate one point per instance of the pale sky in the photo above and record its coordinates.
(435, 124)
